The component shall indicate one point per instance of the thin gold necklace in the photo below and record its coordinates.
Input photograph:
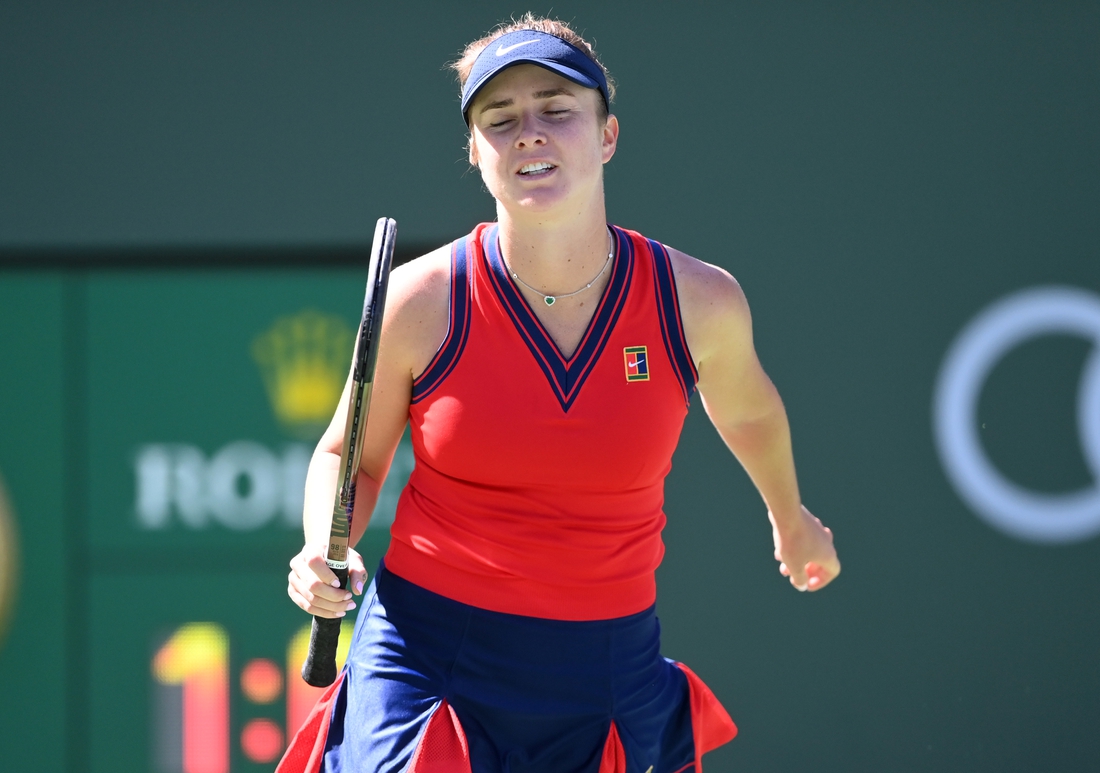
(550, 300)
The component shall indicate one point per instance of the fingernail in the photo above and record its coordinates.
(341, 614)
(351, 606)
(347, 596)
(335, 583)
(359, 587)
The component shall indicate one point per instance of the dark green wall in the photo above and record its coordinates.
(874, 174)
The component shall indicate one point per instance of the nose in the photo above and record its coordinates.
(530, 132)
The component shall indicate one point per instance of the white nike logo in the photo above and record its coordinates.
(633, 364)
(501, 50)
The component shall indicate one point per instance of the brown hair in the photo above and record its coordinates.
(529, 21)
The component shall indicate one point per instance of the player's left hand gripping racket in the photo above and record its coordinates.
(319, 669)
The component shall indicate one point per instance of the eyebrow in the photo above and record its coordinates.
(544, 94)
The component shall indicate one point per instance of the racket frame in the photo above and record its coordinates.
(319, 668)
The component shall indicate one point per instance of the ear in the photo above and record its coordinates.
(609, 137)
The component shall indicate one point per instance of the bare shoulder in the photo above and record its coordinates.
(420, 281)
(417, 307)
(712, 305)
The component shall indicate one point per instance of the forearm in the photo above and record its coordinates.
(319, 496)
(748, 413)
(763, 447)
(320, 499)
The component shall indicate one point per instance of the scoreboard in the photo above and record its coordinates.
(190, 404)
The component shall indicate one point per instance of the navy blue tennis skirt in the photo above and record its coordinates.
(434, 685)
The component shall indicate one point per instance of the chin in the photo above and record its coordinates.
(534, 202)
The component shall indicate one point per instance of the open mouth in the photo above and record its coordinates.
(534, 170)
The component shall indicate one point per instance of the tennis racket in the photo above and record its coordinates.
(319, 669)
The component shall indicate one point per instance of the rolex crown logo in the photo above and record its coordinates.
(304, 360)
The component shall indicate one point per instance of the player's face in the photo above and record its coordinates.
(539, 140)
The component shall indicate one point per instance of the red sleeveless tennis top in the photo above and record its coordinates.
(539, 480)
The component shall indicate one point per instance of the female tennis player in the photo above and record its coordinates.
(545, 362)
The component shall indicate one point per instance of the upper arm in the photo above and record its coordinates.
(413, 327)
(718, 328)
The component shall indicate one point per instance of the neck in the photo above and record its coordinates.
(556, 255)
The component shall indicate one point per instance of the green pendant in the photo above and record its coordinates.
(549, 300)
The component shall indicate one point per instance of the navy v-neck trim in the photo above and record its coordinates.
(672, 326)
(458, 325)
(565, 376)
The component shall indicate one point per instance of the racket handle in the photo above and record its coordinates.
(319, 669)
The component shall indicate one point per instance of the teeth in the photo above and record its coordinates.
(539, 167)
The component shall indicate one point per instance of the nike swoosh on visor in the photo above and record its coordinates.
(501, 50)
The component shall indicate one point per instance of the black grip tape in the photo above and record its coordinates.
(319, 669)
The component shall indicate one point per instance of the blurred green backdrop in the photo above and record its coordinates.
(178, 182)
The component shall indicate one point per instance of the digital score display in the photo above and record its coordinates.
(192, 680)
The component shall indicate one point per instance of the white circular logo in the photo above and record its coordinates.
(1028, 515)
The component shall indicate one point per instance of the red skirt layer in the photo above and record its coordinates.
(443, 747)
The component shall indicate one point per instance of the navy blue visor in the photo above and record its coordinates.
(533, 47)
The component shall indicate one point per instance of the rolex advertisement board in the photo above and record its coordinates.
(210, 391)
(194, 400)
(206, 394)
